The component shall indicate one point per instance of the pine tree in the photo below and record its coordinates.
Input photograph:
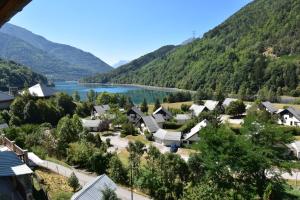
(73, 181)
(157, 104)
(144, 106)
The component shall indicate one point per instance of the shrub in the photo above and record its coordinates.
(73, 181)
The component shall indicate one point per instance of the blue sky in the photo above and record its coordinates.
(117, 30)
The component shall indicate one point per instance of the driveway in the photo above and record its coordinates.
(84, 178)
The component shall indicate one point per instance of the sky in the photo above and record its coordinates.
(116, 30)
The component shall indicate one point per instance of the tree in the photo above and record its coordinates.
(157, 104)
(91, 96)
(31, 113)
(109, 194)
(184, 107)
(144, 106)
(73, 181)
(128, 129)
(99, 162)
(79, 153)
(117, 171)
(235, 108)
(76, 96)
(65, 103)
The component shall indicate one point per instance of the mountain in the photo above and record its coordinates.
(16, 75)
(57, 61)
(190, 40)
(126, 70)
(256, 49)
(120, 63)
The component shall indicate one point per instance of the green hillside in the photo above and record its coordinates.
(257, 48)
(15, 75)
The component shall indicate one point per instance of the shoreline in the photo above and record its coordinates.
(167, 89)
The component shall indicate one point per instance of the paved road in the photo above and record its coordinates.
(83, 178)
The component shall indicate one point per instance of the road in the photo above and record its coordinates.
(83, 178)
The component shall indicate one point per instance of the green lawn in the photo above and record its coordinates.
(51, 159)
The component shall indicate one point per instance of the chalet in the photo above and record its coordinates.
(193, 135)
(93, 190)
(41, 91)
(227, 102)
(135, 115)
(295, 148)
(159, 119)
(289, 117)
(167, 115)
(167, 137)
(100, 110)
(149, 124)
(5, 100)
(182, 118)
(197, 109)
(267, 106)
(212, 105)
(92, 125)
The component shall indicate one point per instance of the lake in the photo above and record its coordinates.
(136, 93)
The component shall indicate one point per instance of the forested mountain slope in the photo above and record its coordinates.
(258, 48)
(16, 75)
(58, 61)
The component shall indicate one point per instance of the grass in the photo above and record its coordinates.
(140, 138)
(170, 105)
(57, 185)
(51, 159)
(124, 157)
(297, 137)
(293, 189)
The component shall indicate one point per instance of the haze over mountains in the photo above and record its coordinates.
(256, 49)
(56, 61)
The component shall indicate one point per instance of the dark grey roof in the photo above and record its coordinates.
(294, 111)
(101, 109)
(11, 165)
(5, 97)
(168, 113)
(268, 105)
(3, 126)
(93, 190)
(151, 123)
(159, 118)
(137, 111)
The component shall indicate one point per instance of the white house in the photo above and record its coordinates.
(193, 135)
(197, 109)
(91, 125)
(211, 105)
(41, 90)
(289, 117)
(93, 190)
(167, 137)
(182, 118)
(227, 102)
(295, 148)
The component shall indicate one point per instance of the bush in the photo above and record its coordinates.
(184, 107)
(171, 125)
(290, 129)
(128, 129)
(149, 136)
(73, 181)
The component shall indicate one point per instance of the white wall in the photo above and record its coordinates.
(288, 120)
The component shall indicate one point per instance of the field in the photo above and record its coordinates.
(170, 105)
(57, 185)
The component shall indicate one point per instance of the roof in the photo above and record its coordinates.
(5, 97)
(93, 190)
(4, 125)
(294, 111)
(167, 135)
(150, 123)
(227, 101)
(182, 117)
(11, 165)
(101, 109)
(211, 105)
(268, 105)
(159, 118)
(41, 90)
(163, 110)
(197, 109)
(8, 8)
(137, 111)
(196, 129)
(88, 123)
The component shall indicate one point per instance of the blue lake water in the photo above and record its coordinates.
(137, 94)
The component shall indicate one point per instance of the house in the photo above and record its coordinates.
(15, 179)
(135, 115)
(167, 137)
(267, 106)
(182, 118)
(227, 102)
(100, 110)
(93, 190)
(92, 125)
(5, 100)
(42, 91)
(149, 124)
(164, 112)
(295, 148)
(193, 135)
(197, 109)
(159, 118)
(289, 117)
(3, 126)
(212, 105)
